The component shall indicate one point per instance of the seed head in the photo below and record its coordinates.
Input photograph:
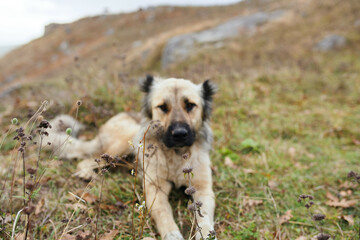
(352, 174)
(31, 171)
(44, 124)
(14, 121)
(318, 217)
(29, 185)
(190, 190)
(107, 158)
(29, 209)
(212, 232)
(303, 196)
(68, 131)
(121, 205)
(20, 134)
(79, 102)
(323, 236)
(192, 207)
(187, 170)
(198, 204)
(211, 235)
(186, 156)
(79, 237)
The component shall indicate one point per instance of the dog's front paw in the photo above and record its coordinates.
(211, 235)
(207, 232)
(174, 235)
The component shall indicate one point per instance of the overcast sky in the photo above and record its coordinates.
(24, 20)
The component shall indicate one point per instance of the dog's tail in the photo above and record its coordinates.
(65, 144)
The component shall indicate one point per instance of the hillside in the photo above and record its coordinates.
(138, 39)
(285, 120)
(105, 39)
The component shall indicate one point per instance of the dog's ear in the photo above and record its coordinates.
(145, 86)
(208, 89)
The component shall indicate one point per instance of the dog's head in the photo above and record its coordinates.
(181, 106)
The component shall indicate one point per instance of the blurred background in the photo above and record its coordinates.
(23, 21)
(286, 117)
(54, 41)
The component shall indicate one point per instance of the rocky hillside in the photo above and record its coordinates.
(159, 39)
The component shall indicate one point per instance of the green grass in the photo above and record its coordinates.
(295, 137)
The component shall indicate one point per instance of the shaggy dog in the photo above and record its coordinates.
(174, 130)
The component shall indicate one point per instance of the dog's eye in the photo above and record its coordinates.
(164, 108)
(189, 106)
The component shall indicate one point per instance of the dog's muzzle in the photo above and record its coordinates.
(179, 135)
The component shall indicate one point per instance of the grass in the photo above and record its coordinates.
(287, 117)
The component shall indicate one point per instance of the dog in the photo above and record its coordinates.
(173, 130)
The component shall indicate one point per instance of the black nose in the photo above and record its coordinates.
(180, 133)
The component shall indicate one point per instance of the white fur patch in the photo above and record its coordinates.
(175, 235)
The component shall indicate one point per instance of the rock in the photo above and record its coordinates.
(136, 44)
(357, 23)
(178, 48)
(39, 64)
(52, 27)
(330, 42)
(169, 9)
(150, 17)
(145, 54)
(6, 49)
(65, 47)
(110, 32)
(219, 45)
(67, 29)
(7, 79)
(54, 57)
(9, 89)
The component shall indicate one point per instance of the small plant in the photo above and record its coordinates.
(195, 207)
(31, 187)
(317, 218)
(250, 146)
(354, 176)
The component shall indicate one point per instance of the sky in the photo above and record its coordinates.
(24, 20)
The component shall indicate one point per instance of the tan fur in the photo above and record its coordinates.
(166, 165)
(110, 139)
(163, 165)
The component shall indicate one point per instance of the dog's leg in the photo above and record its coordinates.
(157, 201)
(203, 184)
